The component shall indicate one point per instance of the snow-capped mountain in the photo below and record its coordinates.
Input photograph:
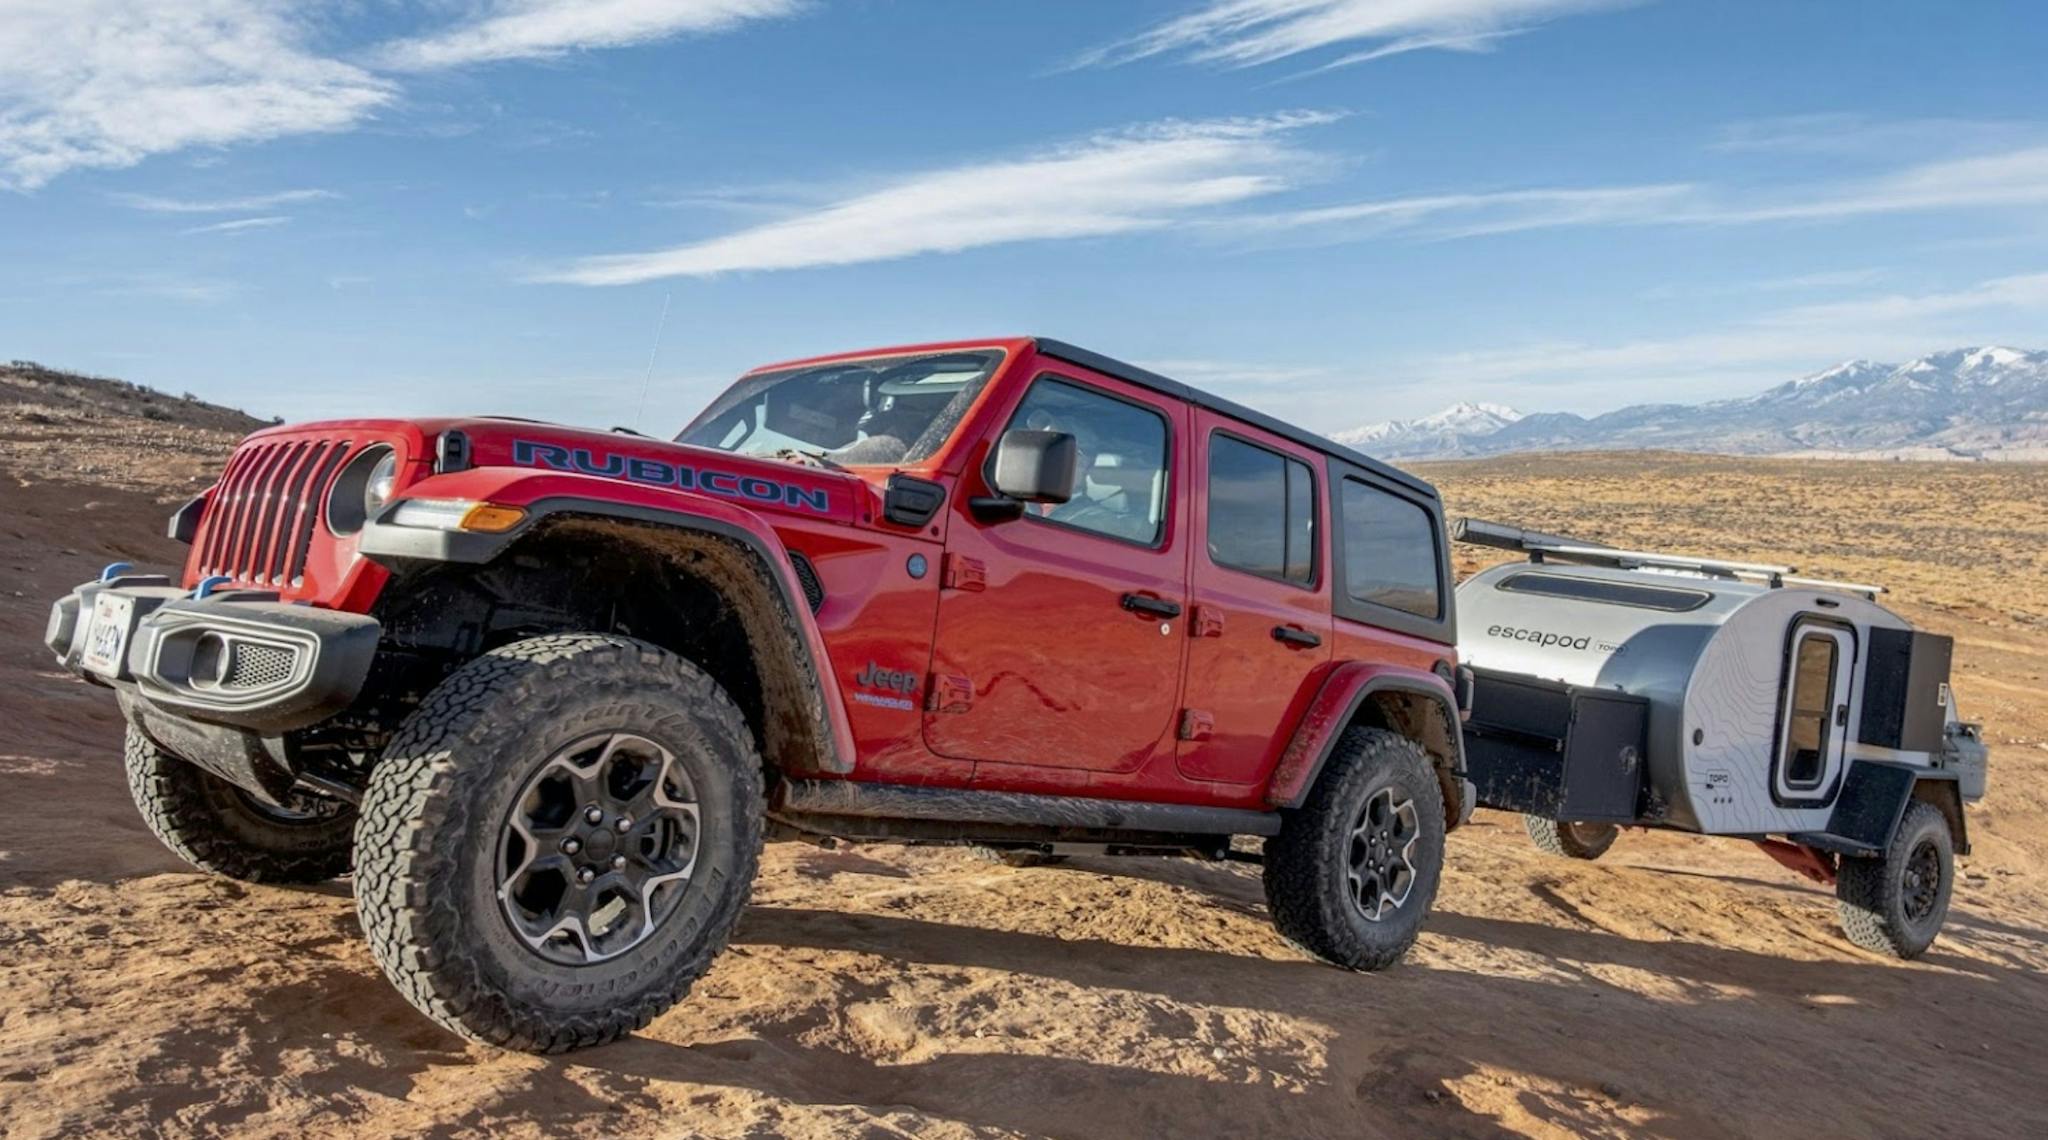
(1963, 403)
(1440, 431)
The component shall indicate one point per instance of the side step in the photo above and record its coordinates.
(1017, 809)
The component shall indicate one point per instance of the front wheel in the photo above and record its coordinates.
(218, 827)
(558, 842)
(1353, 871)
(1894, 903)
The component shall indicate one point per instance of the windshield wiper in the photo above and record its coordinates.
(815, 457)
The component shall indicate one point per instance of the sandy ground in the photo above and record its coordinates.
(1678, 987)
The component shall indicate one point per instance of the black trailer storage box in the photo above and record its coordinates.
(1905, 690)
(1554, 750)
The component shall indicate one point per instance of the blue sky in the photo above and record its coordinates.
(1337, 210)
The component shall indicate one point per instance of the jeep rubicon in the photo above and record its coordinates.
(546, 689)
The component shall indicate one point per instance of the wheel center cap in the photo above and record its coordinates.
(599, 842)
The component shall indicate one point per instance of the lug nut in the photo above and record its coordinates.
(592, 815)
(624, 824)
(571, 845)
(585, 875)
(618, 862)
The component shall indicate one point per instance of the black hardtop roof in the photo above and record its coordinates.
(1132, 374)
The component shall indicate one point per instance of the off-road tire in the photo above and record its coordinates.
(433, 819)
(1876, 895)
(1570, 840)
(1307, 885)
(219, 828)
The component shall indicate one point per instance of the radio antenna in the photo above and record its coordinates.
(647, 381)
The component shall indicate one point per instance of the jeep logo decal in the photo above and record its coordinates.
(876, 677)
(658, 473)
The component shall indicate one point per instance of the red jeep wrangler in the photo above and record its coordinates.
(546, 688)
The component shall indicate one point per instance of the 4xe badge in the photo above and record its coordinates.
(875, 676)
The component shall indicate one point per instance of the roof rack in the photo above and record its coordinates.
(1540, 547)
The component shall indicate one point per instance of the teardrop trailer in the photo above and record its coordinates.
(1612, 688)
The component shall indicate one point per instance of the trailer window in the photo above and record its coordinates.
(1262, 516)
(1390, 551)
(1600, 590)
(1808, 719)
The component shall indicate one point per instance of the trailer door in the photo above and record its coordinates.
(1813, 714)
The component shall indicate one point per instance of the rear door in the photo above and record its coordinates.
(1813, 714)
(1059, 641)
(1259, 633)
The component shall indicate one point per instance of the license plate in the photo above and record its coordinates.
(106, 643)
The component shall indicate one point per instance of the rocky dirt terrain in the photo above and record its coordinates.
(1678, 987)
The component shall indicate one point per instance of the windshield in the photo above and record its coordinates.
(888, 410)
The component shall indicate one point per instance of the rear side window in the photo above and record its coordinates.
(1664, 598)
(1262, 515)
(1390, 551)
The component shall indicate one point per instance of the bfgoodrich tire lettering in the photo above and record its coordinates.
(433, 822)
(1312, 866)
(1895, 903)
(218, 827)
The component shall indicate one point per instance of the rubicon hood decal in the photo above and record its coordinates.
(747, 487)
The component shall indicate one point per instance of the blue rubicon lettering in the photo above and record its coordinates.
(659, 473)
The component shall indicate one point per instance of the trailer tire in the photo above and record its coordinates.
(1017, 856)
(1894, 903)
(219, 828)
(1569, 840)
(1373, 824)
(493, 898)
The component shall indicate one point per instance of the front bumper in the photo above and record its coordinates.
(239, 659)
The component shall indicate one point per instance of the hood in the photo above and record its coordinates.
(759, 484)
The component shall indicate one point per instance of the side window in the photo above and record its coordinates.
(1390, 551)
(1813, 700)
(1262, 517)
(1122, 489)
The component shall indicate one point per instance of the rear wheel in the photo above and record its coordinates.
(559, 841)
(1895, 903)
(1570, 840)
(1352, 873)
(218, 827)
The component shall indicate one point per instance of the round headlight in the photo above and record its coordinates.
(377, 490)
(361, 490)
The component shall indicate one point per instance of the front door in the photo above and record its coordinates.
(1059, 639)
(1260, 629)
(1813, 714)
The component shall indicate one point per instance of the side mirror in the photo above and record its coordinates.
(1036, 466)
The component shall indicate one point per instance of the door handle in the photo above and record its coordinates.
(1296, 637)
(1147, 604)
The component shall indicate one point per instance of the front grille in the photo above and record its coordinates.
(260, 522)
(258, 666)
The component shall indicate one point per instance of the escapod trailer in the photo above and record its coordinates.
(1608, 687)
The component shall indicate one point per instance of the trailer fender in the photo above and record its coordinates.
(1873, 801)
(1414, 701)
(551, 499)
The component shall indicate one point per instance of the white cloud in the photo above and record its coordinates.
(158, 205)
(108, 83)
(1784, 342)
(1141, 179)
(1245, 33)
(2013, 178)
(239, 225)
(526, 29)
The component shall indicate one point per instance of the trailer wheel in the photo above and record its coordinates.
(218, 827)
(559, 840)
(1352, 873)
(1017, 856)
(1894, 903)
(1570, 840)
